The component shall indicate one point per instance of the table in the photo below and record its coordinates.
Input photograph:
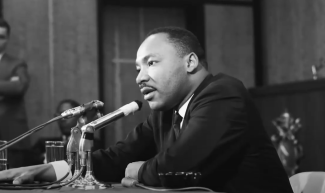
(116, 188)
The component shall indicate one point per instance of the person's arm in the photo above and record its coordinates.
(110, 164)
(18, 84)
(43, 172)
(216, 125)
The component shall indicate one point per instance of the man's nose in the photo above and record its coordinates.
(142, 76)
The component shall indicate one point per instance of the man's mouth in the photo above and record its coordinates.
(147, 92)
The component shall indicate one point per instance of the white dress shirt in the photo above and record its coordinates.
(183, 109)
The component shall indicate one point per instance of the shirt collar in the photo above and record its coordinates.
(183, 109)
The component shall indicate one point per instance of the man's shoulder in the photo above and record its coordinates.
(219, 88)
(223, 84)
(227, 80)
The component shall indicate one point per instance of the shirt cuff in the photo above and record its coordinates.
(61, 168)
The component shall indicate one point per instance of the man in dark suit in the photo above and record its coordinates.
(221, 134)
(199, 123)
(14, 80)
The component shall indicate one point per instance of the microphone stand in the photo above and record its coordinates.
(85, 150)
(73, 157)
(72, 151)
(87, 141)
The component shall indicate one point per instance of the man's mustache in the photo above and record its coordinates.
(143, 84)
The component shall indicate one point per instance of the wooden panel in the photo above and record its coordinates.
(75, 50)
(229, 41)
(108, 72)
(59, 42)
(304, 100)
(124, 28)
(293, 35)
(179, 3)
(114, 27)
(29, 40)
(158, 17)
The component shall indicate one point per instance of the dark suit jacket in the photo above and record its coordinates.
(222, 137)
(13, 120)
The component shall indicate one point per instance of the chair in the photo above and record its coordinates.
(308, 182)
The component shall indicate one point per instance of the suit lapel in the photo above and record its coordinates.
(203, 84)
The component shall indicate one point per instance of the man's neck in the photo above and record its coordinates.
(196, 83)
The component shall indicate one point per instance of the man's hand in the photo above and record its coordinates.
(132, 170)
(44, 172)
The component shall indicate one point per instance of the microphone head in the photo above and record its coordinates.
(131, 107)
(97, 104)
(139, 104)
(82, 109)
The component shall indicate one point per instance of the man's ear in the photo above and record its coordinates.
(192, 63)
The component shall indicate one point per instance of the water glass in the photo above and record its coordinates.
(54, 151)
(3, 157)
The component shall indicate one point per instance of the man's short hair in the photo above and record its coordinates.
(184, 41)
(5, 24)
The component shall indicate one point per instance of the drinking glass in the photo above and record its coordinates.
(3, 157)
(54, 151)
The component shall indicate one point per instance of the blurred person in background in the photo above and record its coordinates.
(14, 81)
(65, 126)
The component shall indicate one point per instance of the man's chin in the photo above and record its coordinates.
(154, 105)
(157, 106)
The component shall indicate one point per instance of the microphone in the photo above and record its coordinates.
(87, 138)
(111, 117)
(82, 109)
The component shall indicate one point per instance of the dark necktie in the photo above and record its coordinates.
(177, 119)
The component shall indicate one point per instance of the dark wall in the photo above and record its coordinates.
(59, 43)
(293, 39)
(304, 100)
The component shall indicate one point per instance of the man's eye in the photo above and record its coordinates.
(151, 63)
(137, 70)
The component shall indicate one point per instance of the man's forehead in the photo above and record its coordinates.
(145, 57)
(151, 46)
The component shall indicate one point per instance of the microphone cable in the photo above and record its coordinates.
(50, 185)
(173, 189)
(129, 182)
(26, 134)
(98, 104)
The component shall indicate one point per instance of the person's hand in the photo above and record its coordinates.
(44, 172)
(132, 170)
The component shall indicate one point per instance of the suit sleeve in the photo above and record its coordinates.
(19, 83)
(110, 164)
(216, 124)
